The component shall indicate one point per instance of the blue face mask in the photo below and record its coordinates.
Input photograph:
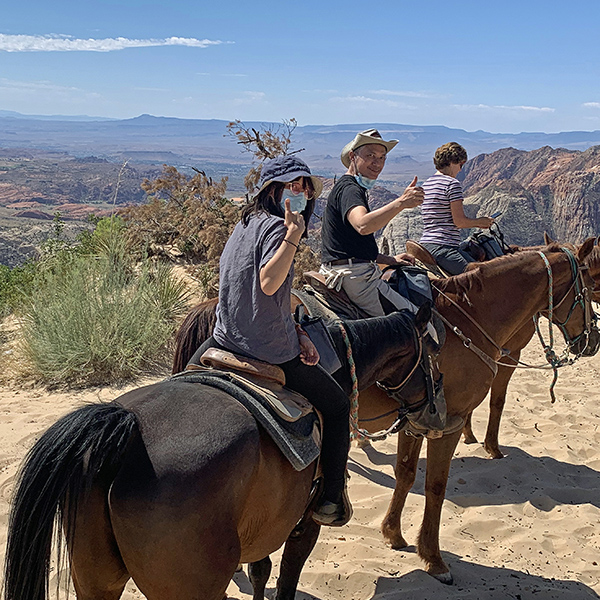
(297, 201)
(365, 181)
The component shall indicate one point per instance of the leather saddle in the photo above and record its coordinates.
(424, 258)
(265, 379)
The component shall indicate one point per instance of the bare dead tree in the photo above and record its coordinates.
(269, 141)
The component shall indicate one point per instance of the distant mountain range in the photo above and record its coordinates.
(541, 182)
(205, 143)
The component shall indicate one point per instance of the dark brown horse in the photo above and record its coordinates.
(502, 295)
(174, 484)
(516, 345)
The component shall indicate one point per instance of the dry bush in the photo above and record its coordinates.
(185, 217)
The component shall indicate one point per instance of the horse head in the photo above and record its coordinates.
(409, 373)
(572, 309)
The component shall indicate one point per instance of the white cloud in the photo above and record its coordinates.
(65, 43)
(404, 94)
(250, 98)
(487, 107)
(319, 91)
(591, 104)
(46, 86)
(366, 100)
(187, 100)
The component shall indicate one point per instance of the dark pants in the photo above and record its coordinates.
(323, 392)
(451, 258)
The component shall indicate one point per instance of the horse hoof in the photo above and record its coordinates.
(363, 443)
(396, 542)
(470, 439)
(445, 578)
(494, 452)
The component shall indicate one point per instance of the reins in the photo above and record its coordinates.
(581, 297)
(358, 433)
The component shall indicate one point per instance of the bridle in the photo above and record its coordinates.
(582, 297)
(432, 384)
(433, 388)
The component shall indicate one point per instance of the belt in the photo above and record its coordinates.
(348, 261)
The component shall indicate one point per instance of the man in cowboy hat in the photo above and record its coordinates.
(350, 254)
(349, 250)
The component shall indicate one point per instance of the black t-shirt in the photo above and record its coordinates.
(339, 238)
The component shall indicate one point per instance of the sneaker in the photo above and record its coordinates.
(333, 514)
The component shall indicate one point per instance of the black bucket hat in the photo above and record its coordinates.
(285, 169)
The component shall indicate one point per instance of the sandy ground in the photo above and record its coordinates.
(524, 527)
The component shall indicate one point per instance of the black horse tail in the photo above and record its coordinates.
(82, 446)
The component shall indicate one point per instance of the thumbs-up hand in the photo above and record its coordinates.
(412, 196)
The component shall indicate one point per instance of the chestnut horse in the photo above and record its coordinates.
(174, 484)
(505, 372)
(490, 305)
(502, 295)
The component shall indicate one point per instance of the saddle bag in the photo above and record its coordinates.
(482, 245)
(321, 338)
(412, 283)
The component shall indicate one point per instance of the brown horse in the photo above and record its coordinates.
(503, 295)
(516, 345)
(174, 484)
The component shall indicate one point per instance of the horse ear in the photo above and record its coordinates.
(547, 239)
(585, 249)
(423, 317)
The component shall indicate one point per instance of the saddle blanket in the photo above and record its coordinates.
(299, 439)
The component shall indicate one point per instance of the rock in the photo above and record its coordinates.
(552, 190)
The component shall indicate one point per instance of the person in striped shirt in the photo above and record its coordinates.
(443, 212)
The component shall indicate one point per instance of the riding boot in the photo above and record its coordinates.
(333, 508)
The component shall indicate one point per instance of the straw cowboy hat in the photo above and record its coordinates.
(369, 136)
(285, 169)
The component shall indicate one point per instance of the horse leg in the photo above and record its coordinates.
(259, 572)
(439, 455)
(497, 401)
(469, 436)
(297, 549)
(406, 470)
(97, 569)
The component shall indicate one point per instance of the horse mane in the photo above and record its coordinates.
(460, 285)
(472, 280)
(384, 333)
(196, 328)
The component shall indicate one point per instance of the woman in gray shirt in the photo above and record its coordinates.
(254, 312)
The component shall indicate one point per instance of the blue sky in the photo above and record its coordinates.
(503, 67)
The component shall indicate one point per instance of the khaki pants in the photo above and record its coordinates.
(363, 284)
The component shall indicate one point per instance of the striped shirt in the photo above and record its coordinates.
(438, 226)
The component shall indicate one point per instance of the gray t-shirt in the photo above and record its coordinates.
(249, 321)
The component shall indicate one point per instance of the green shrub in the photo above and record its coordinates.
(15, 286)
(98, 320)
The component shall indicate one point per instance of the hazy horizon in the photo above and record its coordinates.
(92, 118)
